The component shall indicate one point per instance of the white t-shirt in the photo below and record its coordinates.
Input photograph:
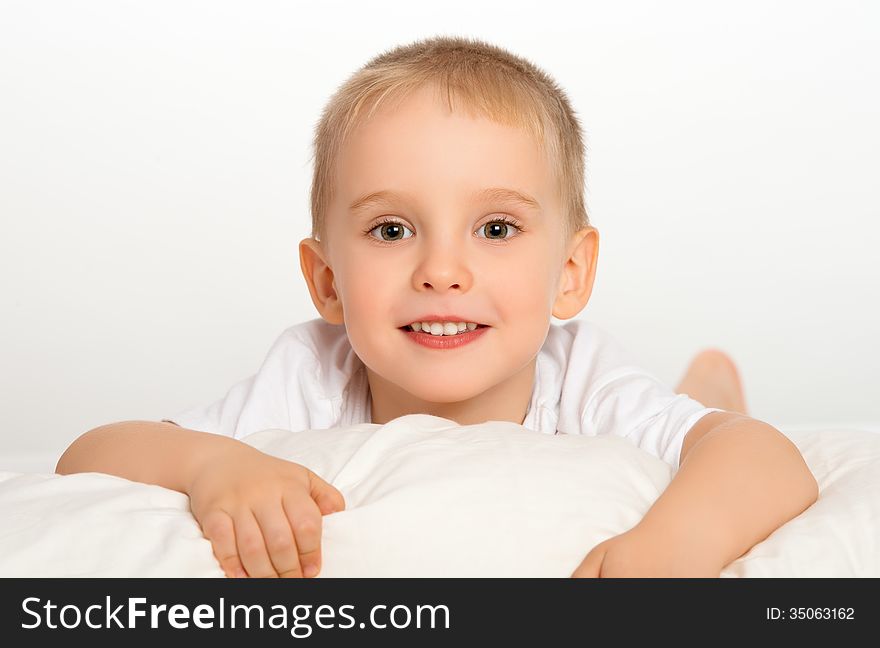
(585, 383)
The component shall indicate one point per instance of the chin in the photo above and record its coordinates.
(453, 394)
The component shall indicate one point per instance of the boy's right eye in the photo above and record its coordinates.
(387, 226)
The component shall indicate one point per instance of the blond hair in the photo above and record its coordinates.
(487, 80)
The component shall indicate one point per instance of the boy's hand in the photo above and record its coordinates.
(640, 553)
(262, 514)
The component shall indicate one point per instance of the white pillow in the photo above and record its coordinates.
(95, 525)
(426, 497)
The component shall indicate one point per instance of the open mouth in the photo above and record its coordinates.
(408, 329)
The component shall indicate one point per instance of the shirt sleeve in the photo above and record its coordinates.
(285, 394)
(220, 417)
(636, 405)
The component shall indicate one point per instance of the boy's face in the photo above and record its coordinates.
(447, 254)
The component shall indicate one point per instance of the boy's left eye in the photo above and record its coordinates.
(495, 227)
(502, 226)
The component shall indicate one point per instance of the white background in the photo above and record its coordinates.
(155, 160)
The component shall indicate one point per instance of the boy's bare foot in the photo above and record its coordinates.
(713, 380)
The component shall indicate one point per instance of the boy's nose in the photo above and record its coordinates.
(441, 276)
(428, 285)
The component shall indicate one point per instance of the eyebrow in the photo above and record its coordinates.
(501, 194)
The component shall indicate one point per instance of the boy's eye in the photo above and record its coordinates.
(391, 229)
(495, 230)
(498, 229)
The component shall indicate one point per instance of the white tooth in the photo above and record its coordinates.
(416, 326)
(436, 328)
(426, 327)
(471, 326)
(462, 326)
(450, 328)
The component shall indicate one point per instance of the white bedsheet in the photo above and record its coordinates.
(426, 497)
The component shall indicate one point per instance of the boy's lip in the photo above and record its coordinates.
(433, 317)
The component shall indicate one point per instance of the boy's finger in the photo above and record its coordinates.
(591, 564)
(326, 496)
(305, 520)
(251, 547)
(279, 540)
(217, 527)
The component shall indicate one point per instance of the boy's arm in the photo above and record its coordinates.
(261, 513)
(739, 480)
(144, 451)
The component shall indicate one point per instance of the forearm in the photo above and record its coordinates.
(144, 451)
(740, 482)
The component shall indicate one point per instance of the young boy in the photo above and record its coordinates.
(448, 226)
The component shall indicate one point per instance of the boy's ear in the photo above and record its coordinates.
(578, 273)
(319, 278)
